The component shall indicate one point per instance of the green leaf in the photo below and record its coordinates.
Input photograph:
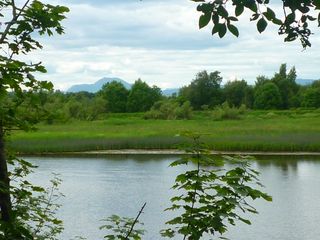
(215, 29)
(239, 10)
(233, 29)
(277, 21)
(222, 30)
(222, 11)
(204, 20)
(252, 5)
(262, 25)
(269, 14)
(246, 221)
(254, 17)
(232, 19)
(290, 18)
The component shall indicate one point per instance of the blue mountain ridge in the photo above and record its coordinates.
(95, 87)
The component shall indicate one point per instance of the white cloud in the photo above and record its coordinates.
(159, 41)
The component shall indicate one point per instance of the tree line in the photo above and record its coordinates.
(205, 92)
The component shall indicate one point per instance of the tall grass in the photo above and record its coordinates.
(256, 131)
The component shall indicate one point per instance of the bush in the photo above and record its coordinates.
(267, 96)
(226, 112)
(169, 110)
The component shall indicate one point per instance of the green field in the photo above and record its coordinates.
(255, 131)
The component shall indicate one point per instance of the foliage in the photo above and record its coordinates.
(55, 106)
(211, 198)
(203, 90)
(267, 96)
(227, 112)
(116, 96)
(287, 86)
(235, 92)
(122, 228)
(62, 107)
(311, 95)
(142, 97)
(294, 24)
(288, 130)
(33, 207)
(169, 110)
(21, 23)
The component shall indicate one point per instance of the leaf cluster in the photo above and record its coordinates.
(211, 198)
(21, 22)
(294, 24)
(119, 227)
(33, 207)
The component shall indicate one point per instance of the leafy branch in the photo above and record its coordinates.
(210, 196)
(295, 24)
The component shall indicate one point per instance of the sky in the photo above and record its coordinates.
(159, 41)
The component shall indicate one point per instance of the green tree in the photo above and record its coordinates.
(169, 109)
(311, 96)
(22, 21)
(142, 96)
(261, 80)
(249, 96)
(211, 198)
(267, 96)
(235, 92)
(293, 24)
(287, 85)
(116, 96)
(203, 90)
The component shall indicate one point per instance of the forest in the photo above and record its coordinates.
(205, 92)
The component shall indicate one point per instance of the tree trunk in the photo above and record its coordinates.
(5, 201)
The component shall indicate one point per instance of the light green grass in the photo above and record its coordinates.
(257, 131)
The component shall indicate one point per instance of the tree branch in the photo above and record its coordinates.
(135, 221)
(13, 20)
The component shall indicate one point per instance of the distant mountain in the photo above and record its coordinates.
(169, 91)
(95, 87)
(304, 82)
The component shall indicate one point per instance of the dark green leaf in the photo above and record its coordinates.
(204, 20)
(239, 9)
(222, 12)
(222, 30)
(261, 25)
(269, 14)
(277, 21)
(233, 29)
(290, 18)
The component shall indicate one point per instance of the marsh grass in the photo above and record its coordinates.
(297, 130)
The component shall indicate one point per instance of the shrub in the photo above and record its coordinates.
(267, 96)
(226, 112)
(169, 110)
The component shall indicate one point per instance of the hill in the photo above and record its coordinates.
(169, 91)
(304, 82)
(95, 87)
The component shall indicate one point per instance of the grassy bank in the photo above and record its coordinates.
(256, 131)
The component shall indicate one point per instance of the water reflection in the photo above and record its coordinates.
(97, 187)
(283, 163)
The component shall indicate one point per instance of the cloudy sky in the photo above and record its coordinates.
(159, 42)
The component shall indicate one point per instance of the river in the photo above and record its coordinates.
(98, 187)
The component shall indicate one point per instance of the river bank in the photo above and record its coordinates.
(257, 131)
(168, 152)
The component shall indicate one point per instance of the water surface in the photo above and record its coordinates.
(99, 187)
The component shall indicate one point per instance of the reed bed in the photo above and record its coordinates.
(256, 131)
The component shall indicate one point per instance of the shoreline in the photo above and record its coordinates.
(167, 152)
